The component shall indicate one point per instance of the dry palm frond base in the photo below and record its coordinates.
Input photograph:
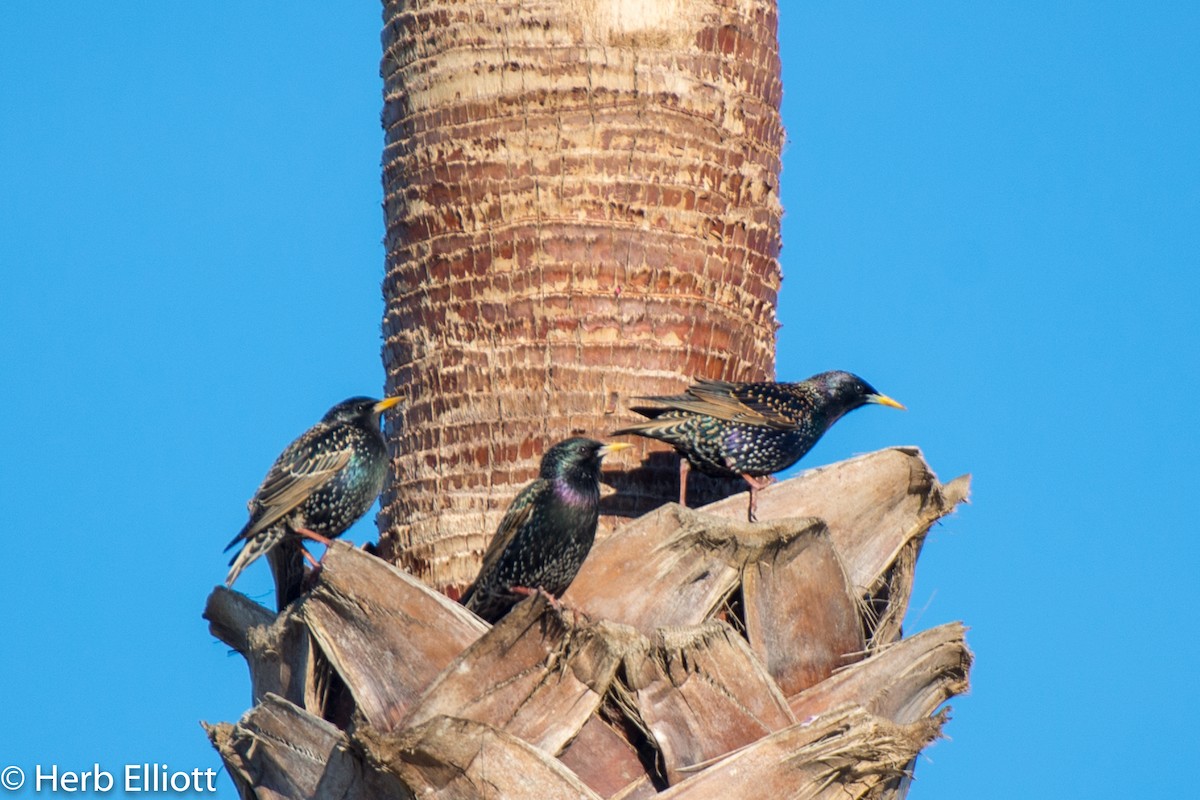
(695, 656)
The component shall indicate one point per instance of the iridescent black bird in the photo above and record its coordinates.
(546, 533)
(751, 430)
(318, 487)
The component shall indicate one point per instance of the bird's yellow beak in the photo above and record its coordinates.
(884, 400)
(613, 447)
(385, 404)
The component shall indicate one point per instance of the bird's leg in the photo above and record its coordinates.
(684, 466)
(309, 558)
(311, 534)
(757, 484)
(556, 603)
(525, 591)
(308, 533)
(308, 579)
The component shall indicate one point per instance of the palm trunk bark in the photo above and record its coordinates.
(582, 207)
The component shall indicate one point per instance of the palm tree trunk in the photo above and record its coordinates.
(582, 206)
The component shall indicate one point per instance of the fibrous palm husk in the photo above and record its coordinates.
(675, 566)
(700, 692)
(276, 647)
(691, 648)
(278, 750)
(848, 753)
(904, 682)
(386, 634)
(605, 758)
(803, 581)
(457, 758)
(534, 675)
(878, 508)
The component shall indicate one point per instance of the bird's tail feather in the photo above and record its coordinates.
(648, 428)
(254, 547)
(236, 539)
(653, 412)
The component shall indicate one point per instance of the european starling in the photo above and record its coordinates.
(547, 531)
(319, 486)
(751, 430)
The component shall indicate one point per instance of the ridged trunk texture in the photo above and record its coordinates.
(582, 207)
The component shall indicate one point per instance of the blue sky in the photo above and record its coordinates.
(992, 213)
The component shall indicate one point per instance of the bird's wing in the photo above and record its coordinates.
(729, 401)
(517, 515)
(296, 474)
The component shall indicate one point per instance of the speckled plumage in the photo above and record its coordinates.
(546, 533)
(751, 430)
(322, 482)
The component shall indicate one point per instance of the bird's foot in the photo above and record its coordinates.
(757, 484)
(310, 577)
(309, 581)
(556, 603)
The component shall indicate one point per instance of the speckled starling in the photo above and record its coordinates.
(547, 531)
(320, 485)
(751, 430)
